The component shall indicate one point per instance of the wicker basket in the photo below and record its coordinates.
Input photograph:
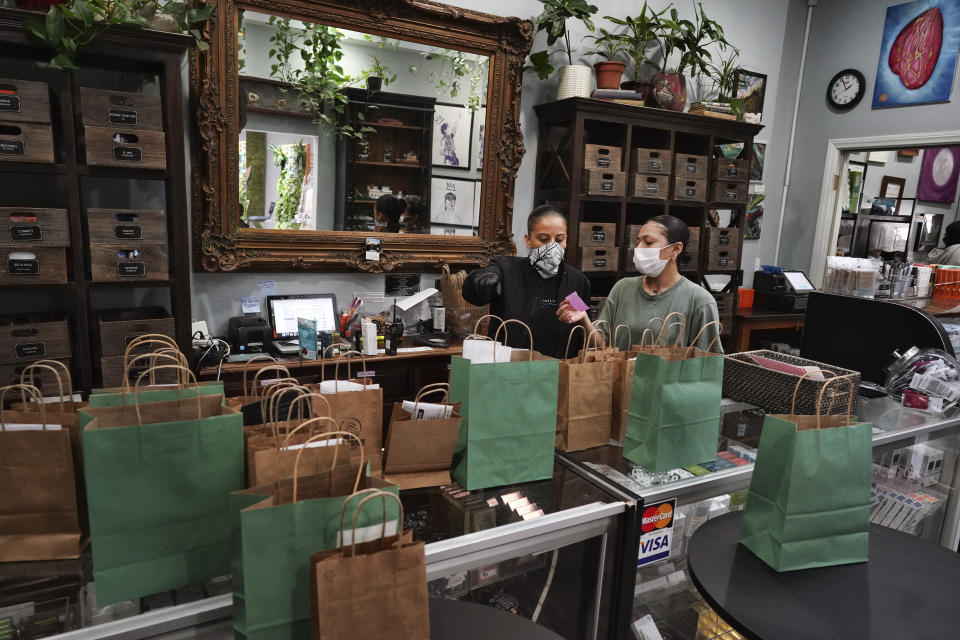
(772, 391)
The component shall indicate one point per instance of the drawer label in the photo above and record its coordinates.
(127, 154)
(131, 269)
(724, 239)
(128, 232)
(25, 232)
(21, 267)
(691, 167)
(10, 104)
(655, 165)
(599, 261)
(12, 148)
(600, 236)
(606, 186)
(31, 350)
(731, 194)
(122, 117)
(723, 261)
(652, 189)
(690, 192)
(733, 172)
(603, 163)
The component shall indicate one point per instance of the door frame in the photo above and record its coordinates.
(828, 223)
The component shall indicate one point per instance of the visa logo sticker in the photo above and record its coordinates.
(656, 531)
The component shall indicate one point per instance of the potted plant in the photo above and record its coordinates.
(609, 71)
(639, 34)
(378, 75)
(574, 79)
(691, 40)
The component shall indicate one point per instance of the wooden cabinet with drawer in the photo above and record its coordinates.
(33, 265)
(120, 262)
(29, 338)
(45, 379)
(128, 148)
(727, 170)
(649, 186)
(129, 226)
(598, 156)
(119, 326)
(120, 109)
(24, 101)
(599, 259)
(730, 192)
(689, 189)
(26, 227)
(651, 161)
(26, 142)
(597, 234)
(600, 182)
(690, 166)
(724, 248)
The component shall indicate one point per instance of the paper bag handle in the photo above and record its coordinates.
(476, 327)
(152, 356)
(823, 390)
(586, 349)
(286, 440)
(276, 400)
(56, 374)
(666, 323)
(566, 352)
(502, 327)
(383, 495)
(246, 369)
(269, 398)
(145, 339)
(255, 388)
(693, 343)
(599, 325)
(336, 368)
(796, 389)
(616, 335)
(296, 462)
(428, 387)
(136, 389)
(423, 394)
(64, 369)
(24, 389)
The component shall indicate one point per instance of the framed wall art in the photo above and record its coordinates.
(750, 87)
(939, 174)
(452, 136)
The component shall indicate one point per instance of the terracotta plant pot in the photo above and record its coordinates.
(670, 91)
(609, 73)
(646, 88)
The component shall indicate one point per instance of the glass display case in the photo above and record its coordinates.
(556, 551)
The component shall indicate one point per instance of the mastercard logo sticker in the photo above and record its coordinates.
(657, 517)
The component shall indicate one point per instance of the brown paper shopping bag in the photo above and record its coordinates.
(38, 499)
(253, 390)
(272, 459)
(375, 589)
(358, 412)
(419, 452)
(585, 399)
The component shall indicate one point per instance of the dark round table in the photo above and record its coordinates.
(456, 620)
(908, 589)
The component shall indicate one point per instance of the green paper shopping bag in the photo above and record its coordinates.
(809, 499)
(158, 479)
(509, 412)
(123, 395)
(279, 526)
(674, 417)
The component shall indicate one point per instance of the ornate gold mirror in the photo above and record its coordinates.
(323, 124)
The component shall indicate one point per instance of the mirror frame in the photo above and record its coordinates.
(220, 244)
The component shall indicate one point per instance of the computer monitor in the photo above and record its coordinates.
(284, 311)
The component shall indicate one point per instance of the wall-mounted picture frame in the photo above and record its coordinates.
(452, 136)
(750, 87)
(939, 174)
(892, 187)
(757, 160)
(908, 153)
(480, 122)
(880, 157)
(452, 201)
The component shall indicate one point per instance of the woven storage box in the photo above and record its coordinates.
(772, 391)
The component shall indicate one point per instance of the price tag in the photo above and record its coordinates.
(250, 305)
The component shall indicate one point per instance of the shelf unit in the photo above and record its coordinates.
(353, 174)
(566, 126)
(118, 56)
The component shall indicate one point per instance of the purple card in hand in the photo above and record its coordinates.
(576, 302)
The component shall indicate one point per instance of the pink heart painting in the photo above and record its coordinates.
(916, 50)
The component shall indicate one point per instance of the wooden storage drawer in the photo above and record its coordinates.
(597, 234)
(118, 328)
(649, 186)
(21, 227)
(725, 303)
(724, 259)
(722, 237)
(33, 265)
(109, 262)
(109, 226)
(24, 101)
(111, 372)
(690, 166)
(131, 148)
(651, 161)
(733, 192)
(599, 259)
(598, 156)
(44, 379)
(25, 338)
(731, 170)
(693, 190)
(600, 182)
(26, 142)
(120, 109)
(724, 248)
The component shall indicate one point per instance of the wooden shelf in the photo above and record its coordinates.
(121, 172)
(728, 205)
(130, 283)
(365, 163)
(601, 198)
(32, 167)
(654, 201)
(380, 125)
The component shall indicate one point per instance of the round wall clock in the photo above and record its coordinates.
(846, 89)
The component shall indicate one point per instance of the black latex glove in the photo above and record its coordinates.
(488, 285)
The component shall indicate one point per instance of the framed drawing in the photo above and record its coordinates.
(481, 120)
(892, 188)
(452, 136)
(918, 53)
(938, 175)
(750, 86)
(757, 159)
(452, 201)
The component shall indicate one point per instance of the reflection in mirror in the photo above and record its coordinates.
(348, 131)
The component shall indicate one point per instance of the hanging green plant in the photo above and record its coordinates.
(68, 27)
(292, 160)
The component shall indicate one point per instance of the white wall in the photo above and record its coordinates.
(768, 33)
(845, 33)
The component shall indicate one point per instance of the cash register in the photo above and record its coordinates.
(781, 290)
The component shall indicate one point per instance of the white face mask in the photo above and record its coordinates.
(546, 259)
(647, 260)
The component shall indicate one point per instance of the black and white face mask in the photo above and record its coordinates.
(547, 259)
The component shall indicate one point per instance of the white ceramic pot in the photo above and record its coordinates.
(575, 81)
